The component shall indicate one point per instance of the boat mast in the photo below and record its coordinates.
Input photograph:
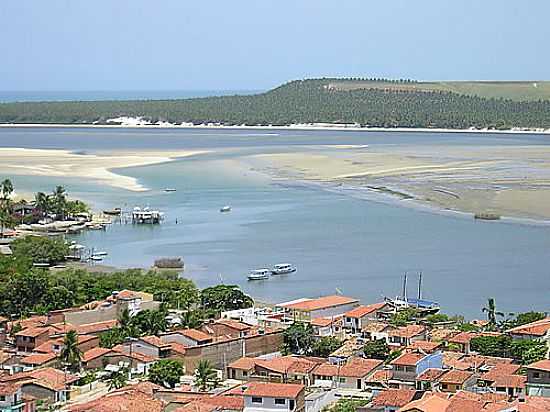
(405, 287)
(419, 285)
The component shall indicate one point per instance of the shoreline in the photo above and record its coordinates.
(298, 127)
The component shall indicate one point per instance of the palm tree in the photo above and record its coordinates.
(42, 203)
(71, 353)
(6, 219)
(492, 313)
(205, 375)
(60, 201)
(6, 188)
(118, 379)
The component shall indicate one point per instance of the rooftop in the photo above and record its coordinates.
(408, 331)
(38, 358)
(243, 363)
(543, 365)
(394, 397)
(364, 310)
(456, 377)
(425, 346)
(94, 353)
(230, 323)
(286, 364)
(538, 328)
(324, 302)
(430, 375)
(269, 390)
(509, 381)
(408, 359)
(195, 335)
(354, 368)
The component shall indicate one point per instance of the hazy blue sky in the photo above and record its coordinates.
(256, 44)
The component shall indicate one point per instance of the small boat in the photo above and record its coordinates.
(113, 212)
(169, 189)
(225, 209)
(423, 306)
(100, 253)
(96, 227)
(96, 258)
(259, 274)
(283, 268)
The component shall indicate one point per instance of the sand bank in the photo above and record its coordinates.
(507, 180)
(95, 166)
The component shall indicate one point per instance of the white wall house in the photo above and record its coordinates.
(272, 397)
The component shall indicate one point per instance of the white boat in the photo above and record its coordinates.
(100, 253)
(96, 258)
(225, 209)
(169, 189)
(283, 268)
(259, 274)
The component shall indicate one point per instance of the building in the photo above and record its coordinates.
(11, 397)
(429, 379)
(406, 335)
(534, 330)
(354, 374)
(377, 331)
(226, 328)
(408, 366)
(324, 307)
(293, 369)
(327, 327)
(511, 385)
(271, 397)
(538, 378)
(455, 380)
(355, 319)
(391, 400)
(241, 369)
(187, 337)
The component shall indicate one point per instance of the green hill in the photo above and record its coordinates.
(373, 103)
(513, 90)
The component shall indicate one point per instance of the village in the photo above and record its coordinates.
(263, 359)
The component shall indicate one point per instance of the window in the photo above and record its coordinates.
(2, 398)
(245, 373)
(443, 386)
(256, 400)
(342, 380)
(536, 375)
(348, 320)
(280, 401)
(291, 404)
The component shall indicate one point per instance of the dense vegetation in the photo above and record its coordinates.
(299, 339)
(25, 289)
(304, 101)
(523, 351)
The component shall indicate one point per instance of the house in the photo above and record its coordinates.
(11, 397)
(539, 329)
(424, 346)
(356, 318)
(429, 379)
(47, 384)
(391, 400)
(125, 399)
(271, 397)
(494, 372)
(226, 327)
(409, 365)
(56, 345)
(462, 340)
(39, 360)
(324, 307)
(538, 378)
(327, 327)
(353, 374)
(138, 363)
(187, 337)
(95, 358)
(286, 369)
(512, 385)
(377, 331)
(241, 369)
(28, 339)
(151, 346)
(454, 380)
(406, 335)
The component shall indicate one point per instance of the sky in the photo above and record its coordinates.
(259, 44)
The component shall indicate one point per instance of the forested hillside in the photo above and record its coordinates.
(307, 101)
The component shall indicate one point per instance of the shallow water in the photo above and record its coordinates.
(359, 246)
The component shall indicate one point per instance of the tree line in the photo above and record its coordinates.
(302, 101)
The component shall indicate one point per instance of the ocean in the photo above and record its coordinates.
(337, 240)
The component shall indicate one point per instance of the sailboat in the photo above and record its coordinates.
(402, 302)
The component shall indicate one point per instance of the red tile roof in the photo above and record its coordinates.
(376, 327)
(408, 359)
(96, 327)
(364, 310)
(430, 375)
(154, 341)
(118, 351)
(456, 377)
(127, 401)
(51, 378)
(425, 346)
(178, 348)
(463, 337)
(33, 332)
(94, 353)
(428, 403)
(355, 368)
(8, 388)
(538, 328)
(500, 370)
(543, 365)
(509, 381)
(322, 322)
(287, 364)
(243, 363)
(195, 335)
(38, 358)
(382, 376)
(270, 390)
(394, 397)
(408, 331)
(230, 323)
(324, 302)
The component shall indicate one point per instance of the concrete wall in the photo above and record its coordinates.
(268, 404)
(434, 360)
(223, 353)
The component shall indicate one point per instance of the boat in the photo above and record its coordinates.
(225, 209)
(259, 274)
(169, 189)
(487, 216)
(283, 269)
(113, 212)
(96, 227)
(100, 253)
(96, 258)
(425, 307)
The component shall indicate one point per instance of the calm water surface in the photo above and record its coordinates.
(360, 247)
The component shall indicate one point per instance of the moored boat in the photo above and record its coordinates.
(169, 189)
(259, 274)
(283, 269)
(225, 209)
(113, 212)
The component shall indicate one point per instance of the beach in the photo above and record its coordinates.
(97, 166)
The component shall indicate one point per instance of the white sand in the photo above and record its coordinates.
(97, 166)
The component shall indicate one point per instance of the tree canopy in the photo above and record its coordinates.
(166, 372)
